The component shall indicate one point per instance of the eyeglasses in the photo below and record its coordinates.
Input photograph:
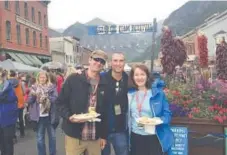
(103, 62)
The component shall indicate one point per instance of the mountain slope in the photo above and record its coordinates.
(97, 21)
(54, 33)
(131, 45)
(186, 18)
(192, 14)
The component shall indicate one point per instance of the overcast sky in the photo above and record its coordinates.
(63, 13)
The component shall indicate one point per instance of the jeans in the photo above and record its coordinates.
(43, 125)
(6, 140)
(119, 142)
(21, 121)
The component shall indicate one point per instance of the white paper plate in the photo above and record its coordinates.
(150, 121)
(86, 116)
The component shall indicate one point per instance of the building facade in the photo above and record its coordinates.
(213, 28)
(64, 49)
(67, 50)
(24, 32)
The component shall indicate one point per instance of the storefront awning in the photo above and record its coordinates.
(16, 58)
(38, 62)
(24, 58)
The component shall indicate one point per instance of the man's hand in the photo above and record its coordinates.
(73, 120)
(102, 143)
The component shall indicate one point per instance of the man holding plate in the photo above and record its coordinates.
(81, 100)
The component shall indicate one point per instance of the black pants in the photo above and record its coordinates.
(145, 145)
(6, 140)
(21, 121)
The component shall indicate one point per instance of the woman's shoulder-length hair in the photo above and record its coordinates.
(131, 81)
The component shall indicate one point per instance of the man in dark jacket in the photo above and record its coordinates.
(79, 94)
(117, 106)
(8, 115)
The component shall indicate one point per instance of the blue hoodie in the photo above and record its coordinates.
(8, 105)
(160, 109)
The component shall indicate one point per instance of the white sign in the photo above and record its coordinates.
(28, 23)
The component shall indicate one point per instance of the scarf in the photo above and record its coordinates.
(42, 92)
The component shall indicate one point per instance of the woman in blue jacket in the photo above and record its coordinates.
(148, 101)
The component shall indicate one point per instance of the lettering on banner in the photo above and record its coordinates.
(121, 29)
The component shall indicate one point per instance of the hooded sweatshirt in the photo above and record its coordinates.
(16, 84)
(8, 105)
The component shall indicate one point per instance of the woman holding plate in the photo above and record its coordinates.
(149, 115)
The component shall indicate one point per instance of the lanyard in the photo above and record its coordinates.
(140, 104)
(94, 92)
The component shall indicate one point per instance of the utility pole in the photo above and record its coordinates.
(153, 42)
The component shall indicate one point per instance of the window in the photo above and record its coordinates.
(45, 20)
(26, 10)
(33, 15)
(18, 34)
(8, 30)
(34, 38)
(46, 42)
(7, 4)
(40, 18)
(27, 36)
(41, 40)
(17, 7)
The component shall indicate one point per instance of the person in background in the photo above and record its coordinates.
(149, 102)
(20, 96)
(79, 68)
(117, 88)
(82, 93)
(9, 115)
(60, 79)
(53, 78)
(42, 111)
(70, 70)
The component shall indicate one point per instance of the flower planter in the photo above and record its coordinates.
(206, 137)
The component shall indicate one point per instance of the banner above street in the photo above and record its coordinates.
(121, 29)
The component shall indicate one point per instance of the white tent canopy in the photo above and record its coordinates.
(12, 65)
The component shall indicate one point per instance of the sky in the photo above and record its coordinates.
(63, 13)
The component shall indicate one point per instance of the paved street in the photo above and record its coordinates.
(27, 145)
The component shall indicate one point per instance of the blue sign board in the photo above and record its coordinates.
(180, 146)
(121, 29)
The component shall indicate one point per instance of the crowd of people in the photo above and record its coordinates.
(120, 98)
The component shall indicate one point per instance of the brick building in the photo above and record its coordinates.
(24, 32)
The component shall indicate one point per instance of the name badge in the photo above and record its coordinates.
(117, 109)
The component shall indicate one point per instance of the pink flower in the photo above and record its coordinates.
(210, 108)
(190, 115)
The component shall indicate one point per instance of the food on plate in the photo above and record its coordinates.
(147, 120)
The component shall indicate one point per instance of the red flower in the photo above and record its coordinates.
(190, 115)
(195, 110)
(220, 120)
(210, 108)
(221, 112)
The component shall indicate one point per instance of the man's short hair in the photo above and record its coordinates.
(120, 53)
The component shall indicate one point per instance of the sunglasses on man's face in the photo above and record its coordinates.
(103, 62)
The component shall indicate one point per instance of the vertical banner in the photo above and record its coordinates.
(180, 146)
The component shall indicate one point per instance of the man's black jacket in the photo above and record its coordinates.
(121, 98)
(73, 99)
